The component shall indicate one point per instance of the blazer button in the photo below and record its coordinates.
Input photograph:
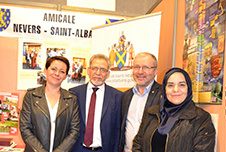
(37, 101)
(83, 132)
(66, 104)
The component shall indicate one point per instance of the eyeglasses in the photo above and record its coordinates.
(102, 70)
(145, 68)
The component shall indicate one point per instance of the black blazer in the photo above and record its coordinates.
(153, 99)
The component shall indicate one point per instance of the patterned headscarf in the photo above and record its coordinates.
(169, 111)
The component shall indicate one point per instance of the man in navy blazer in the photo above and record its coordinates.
(144, 94)
(107, 115)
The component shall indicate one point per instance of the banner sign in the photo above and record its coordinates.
(121, 41)
(204, 48)
(36, 23)
(44, 33)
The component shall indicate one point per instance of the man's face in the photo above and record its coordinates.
(144, 71)
(98, 72)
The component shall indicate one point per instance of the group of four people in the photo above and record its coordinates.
(97, 117)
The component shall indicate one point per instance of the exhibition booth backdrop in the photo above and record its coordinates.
(9, 62)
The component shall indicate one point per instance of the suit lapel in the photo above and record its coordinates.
(152, 94)
(127, 101)
(82, 101)
(107, 100)
(125, 108)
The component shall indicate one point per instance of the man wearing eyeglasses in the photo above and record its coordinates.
(144, 94)
(100, 122)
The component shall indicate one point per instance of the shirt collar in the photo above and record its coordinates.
(146, 90)
(90, 86)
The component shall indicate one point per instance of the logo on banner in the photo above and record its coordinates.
(5, 17)
(121, 54)
(120, 59)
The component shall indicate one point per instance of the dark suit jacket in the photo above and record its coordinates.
(152, 100)
(110, 119)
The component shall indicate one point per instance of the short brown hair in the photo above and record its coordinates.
(60, 58)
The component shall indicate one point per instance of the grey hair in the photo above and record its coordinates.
(100, 56)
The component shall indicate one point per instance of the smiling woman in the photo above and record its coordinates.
(176, 88)
(56, 71)
(49, 109)
(176, 119)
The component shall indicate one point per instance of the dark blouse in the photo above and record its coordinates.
(158, 142)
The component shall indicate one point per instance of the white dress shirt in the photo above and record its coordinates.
(97, 142)
(52, 112)
(135, 114)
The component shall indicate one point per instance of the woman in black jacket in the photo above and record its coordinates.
(49, 119)
(176, 124)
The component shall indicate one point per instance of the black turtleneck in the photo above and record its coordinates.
(158, 142)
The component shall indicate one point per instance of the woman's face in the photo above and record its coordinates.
(176, 88)
(56, 72)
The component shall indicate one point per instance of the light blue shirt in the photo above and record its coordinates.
(135, 114)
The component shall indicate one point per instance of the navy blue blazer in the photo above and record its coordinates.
(153, 99)
(110, 119)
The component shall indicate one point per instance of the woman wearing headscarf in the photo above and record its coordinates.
(176, 124)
